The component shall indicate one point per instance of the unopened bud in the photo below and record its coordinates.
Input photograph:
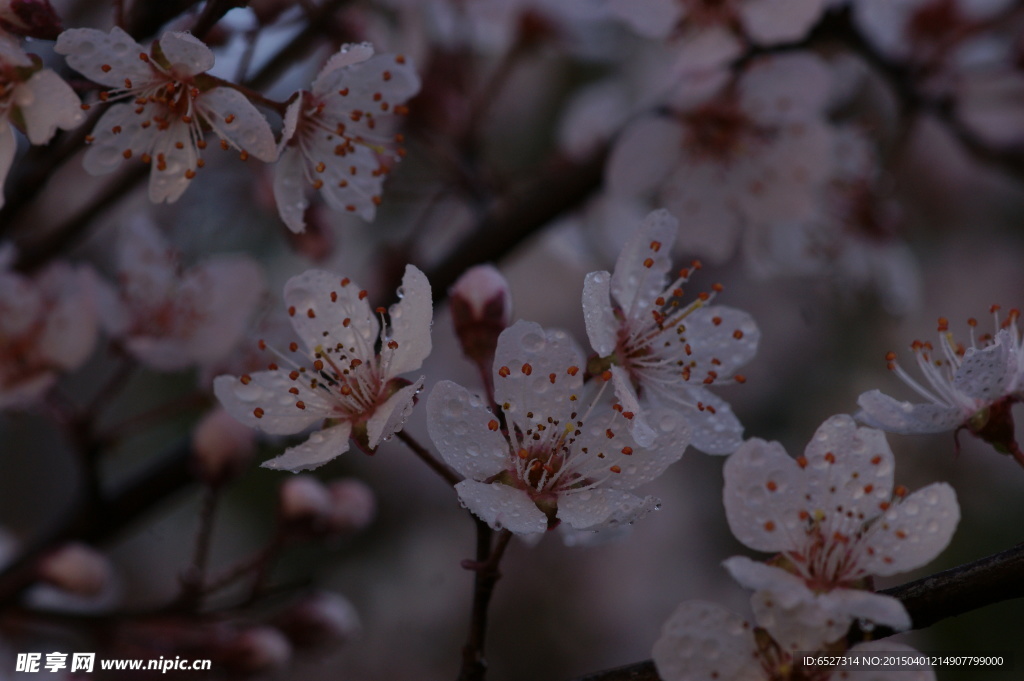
(31, 18)
(324, 618)
(222, 446)
(76, 568)
(304, 499)
(481, 307)
(353, 505)
(258, 649)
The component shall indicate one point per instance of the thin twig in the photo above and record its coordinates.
(474, 664)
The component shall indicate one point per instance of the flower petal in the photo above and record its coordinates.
(46, 103)
(389, 417)
(763, 494)
(290, 189)
(597, 509)
(174, 157)
(410, 318)
(350, 53)
(714, 427)
(602, 326)
(186, 54)
(321, 447)
(878, 410)
(226, 290)
(234, 118)
(643, 156)
(267, 392)
(771, 22)
(705, 641)
(106, 153)
(89, 50)
(540, 376)
(985, 374)
(328, 312)
(914, 531)
(627, 397)
(465, 432)
(502, 507)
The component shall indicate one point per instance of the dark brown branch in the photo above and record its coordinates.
(474, 664)
(97, 524)
(953, 592)
(561, 187)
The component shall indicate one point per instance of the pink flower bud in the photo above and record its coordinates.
(324, 618)
(32, 18)
(481, 309)
(304, 499)
(76, 568)
(353, 507)
(258, 649)
(222, 446)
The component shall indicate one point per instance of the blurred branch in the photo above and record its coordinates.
(561, 187)
(953, 592)
(97, 523)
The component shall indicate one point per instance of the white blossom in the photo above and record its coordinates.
(170, 106)
(559, 459)
(337, 373)
(664, 350)
(835, 519)
(339, 138)
(169, 317)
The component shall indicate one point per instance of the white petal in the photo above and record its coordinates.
(763, 494)
(187, 55)
(350, 53)
(180, 156)
(344, 190)
(599, 509)
(602, 326)
(702, 195)
(322, 305)
(105, 153)
(72, 322)
(533, 356)
(411, 318)
(268, 391)
(627, 397)
(914, 531)
(881, 411)
(290, 189)
(460, 427)
(704, 641)
(714, 432)
(50, 103)
(874, 607)
(226, 290)
(770, 22)
(502, 507)
(88, 50)
(643, 156)
(234, 118)
(985, 374)
(849, 468)
(642, 267)
(703, 52)
(649, 18)
(321, 447)
(785, 88)
(714, 342)
(389, 417)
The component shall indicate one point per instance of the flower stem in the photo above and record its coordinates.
(474, 666)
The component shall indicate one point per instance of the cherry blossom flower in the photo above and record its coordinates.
(33, 99)
(48, 325)
(558, 460)
(338, 373)
(662, 349)
(171, 106)
(971, 387)
(340, 137)
(834, 518)
(755, 153)
(703, 641)
(170, 318)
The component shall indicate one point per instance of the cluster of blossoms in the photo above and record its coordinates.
(339, 138)
(834, 520)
